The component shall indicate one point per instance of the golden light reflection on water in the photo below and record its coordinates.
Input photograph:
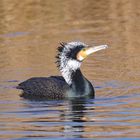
(30, 32)
(30, 35)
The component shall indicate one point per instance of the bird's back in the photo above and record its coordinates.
(53, 87)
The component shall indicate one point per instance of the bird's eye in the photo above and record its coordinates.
(84, 49)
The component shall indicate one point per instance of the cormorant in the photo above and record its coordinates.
(71, 84)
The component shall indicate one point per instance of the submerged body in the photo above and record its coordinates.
(71, 84)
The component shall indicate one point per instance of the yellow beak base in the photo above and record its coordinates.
(87, 51)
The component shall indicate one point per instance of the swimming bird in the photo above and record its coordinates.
(72, 83)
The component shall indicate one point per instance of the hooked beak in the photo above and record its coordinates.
(87, 51)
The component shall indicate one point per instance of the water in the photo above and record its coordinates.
(30, 32)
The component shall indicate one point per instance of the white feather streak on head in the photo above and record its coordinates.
(73, 44)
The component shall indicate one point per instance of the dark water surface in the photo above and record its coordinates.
(30, 32)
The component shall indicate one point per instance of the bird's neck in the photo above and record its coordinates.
(79, 82)
(79, 85)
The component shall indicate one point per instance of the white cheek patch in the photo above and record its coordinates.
(73, 64)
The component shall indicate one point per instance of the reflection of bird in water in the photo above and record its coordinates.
(72, 83)
(77, 116)
(78, 110)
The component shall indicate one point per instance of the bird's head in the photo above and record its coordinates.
(71, 54)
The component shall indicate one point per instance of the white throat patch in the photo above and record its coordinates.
(73, 64)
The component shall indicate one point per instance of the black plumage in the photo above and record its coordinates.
(52, 87)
